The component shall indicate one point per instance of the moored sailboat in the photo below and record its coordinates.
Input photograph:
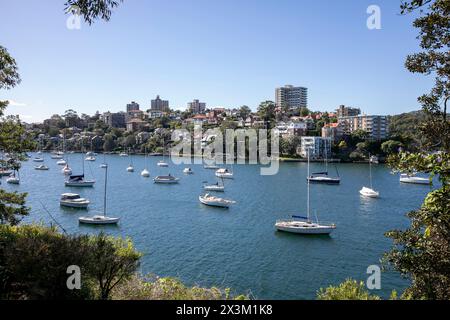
(304, 225)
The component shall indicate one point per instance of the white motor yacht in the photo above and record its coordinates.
(411, 178)
(224, 173)
(213, 201)
(169, 179)
(41, 167)
(73, 200)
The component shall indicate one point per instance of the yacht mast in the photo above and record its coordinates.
(307, 192)
(104, 198)
(370, 171)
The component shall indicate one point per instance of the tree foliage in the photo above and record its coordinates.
(34, 261)
(347, 290)
(91, 10)
(422, 251)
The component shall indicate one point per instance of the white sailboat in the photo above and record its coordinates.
(13, 179)
(66, 170)
(79, 180)
(188, 171)
(130, 167)
(163, 163)
(218, 187)
(104, 165)
(145, 173)
(100, 219)
(304, 225)
(369, 191)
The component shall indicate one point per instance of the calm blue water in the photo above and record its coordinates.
(238, 248)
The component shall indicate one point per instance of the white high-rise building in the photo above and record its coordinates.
(291, 97)
(318, 147)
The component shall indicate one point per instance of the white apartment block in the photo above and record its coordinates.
(291, 97)
(318, 147)
(375, 126)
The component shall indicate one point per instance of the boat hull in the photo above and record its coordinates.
(307, 231)
(81, 205)
(324, 180)
(88, 220)
(415, 181)
(215, 204)
(80, 184)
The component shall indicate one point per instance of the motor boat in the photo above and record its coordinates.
(61, 162)
(41, 167)
(369, 192)
(38, 159)
(224, 173)
(162, 163)
(103, 165)
(411, 178)
(213, 201)
(78, 181)
(73, 200)
(145, 173)
(98, 219)
(66, 170)
(56, 156)
(295, 225)
(188, 171)
(169, 179)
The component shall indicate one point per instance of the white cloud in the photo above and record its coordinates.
(13, 103)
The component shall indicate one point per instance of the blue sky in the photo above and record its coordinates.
(226, 53)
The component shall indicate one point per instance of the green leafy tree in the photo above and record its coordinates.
(422, 251)
(13, 140)
(113, 260)
(244, 112)
(266, 110)
(391, 146)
